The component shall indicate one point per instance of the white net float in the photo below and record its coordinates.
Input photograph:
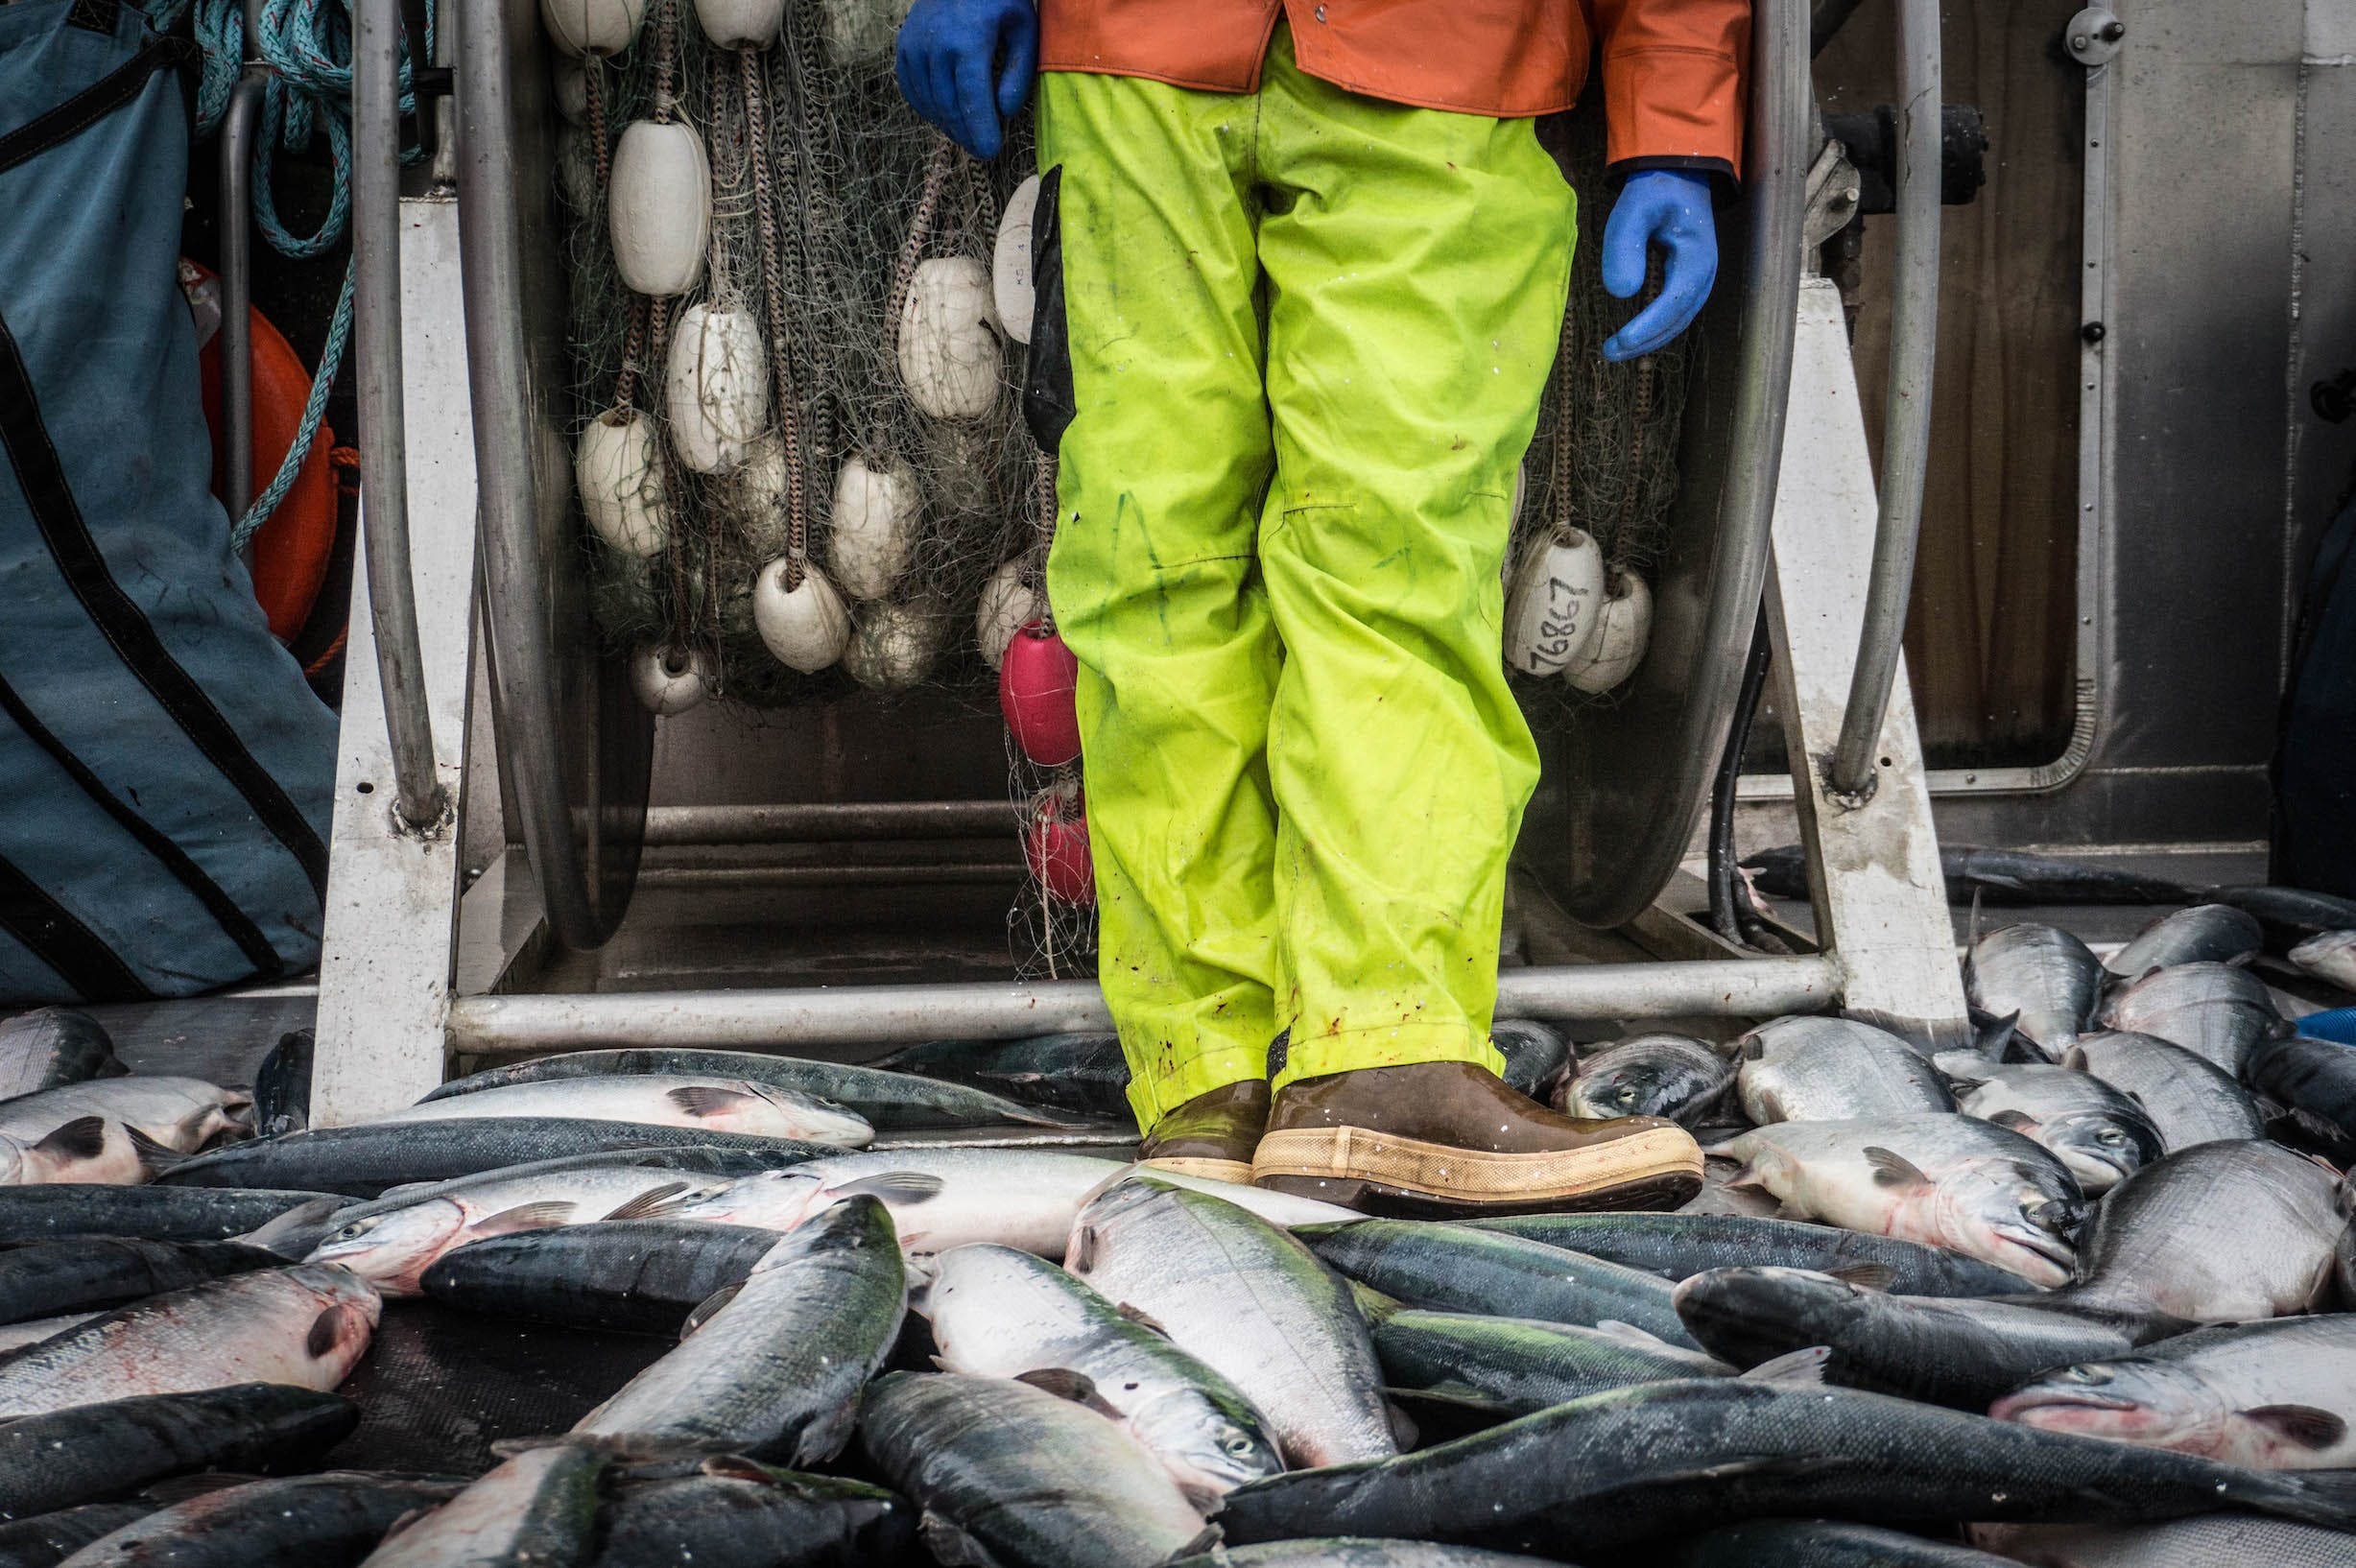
(1008, 604)
(669, 680)
(740, 24)
(872, 525)
(1011, 286)
(716, 388)
(592, 27)
(949, 349)
(659, 207)
(1622, 632)
(618, 467)
(1550, 610)
(805, 627)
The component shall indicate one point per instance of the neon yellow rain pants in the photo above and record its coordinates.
(1308, 332)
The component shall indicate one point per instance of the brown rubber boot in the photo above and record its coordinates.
(1212, 1134)
(1450, 1138)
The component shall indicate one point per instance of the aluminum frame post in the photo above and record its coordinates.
(1881, 904)
(393, 892)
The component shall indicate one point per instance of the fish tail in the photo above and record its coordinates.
(2313, 1497)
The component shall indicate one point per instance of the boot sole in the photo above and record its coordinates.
(1236, 1171)
(1660, 1168)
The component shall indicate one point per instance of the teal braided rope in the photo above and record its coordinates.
(307, 44)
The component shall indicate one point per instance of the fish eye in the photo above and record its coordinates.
(1237, 1444)
(2110, 1136)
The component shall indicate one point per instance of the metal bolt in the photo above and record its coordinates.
(2113, 31)
(2093, 331)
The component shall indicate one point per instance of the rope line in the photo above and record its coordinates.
(307, 46)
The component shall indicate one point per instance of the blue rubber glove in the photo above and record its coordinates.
(1672, 208)
(966, 67)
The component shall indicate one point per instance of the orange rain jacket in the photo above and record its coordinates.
(1672, 69)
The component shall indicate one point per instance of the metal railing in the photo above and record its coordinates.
(384, 453)
(1906, 419)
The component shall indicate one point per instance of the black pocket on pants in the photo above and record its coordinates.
(1048, 407)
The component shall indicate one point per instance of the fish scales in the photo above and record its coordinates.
(1455, 1269)
(1636, 1465)
(1679, 1246)
(777, 1371)
(298, 1522)
(363, 1160)
(999, 1312)
(886, 1099)
(90, 1452)
(1032, 1479)
(1252, 1301)
(635, 1277)
(538, 1509)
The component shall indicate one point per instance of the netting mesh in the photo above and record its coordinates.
(826, 194)
(835, 217)
(1604, 459)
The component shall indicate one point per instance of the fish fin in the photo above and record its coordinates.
(1403, 1429)
(737, 1467)
(902, 1187)
(1752, 1047)
(329, 1327)
(543, 1215)
(154, 1158)
(1142, 1318)
(1372, 1304)
(1453, 1395)
(1865, 1276)
(708, 1308)
(1747, 1179)
(173, 1490)
(1630, 1334)
(2302, 1424)
(1971, 934)
(1065, 1384)
(1771, 1103)
(1892, 1170)
(1797, 1366)
(1207, 1541)
(705, 1100)
(1079, 1255)
(84, 1137)
(2013, 1120)
(654, 1202)
(1963, 1069)
(950, 1546)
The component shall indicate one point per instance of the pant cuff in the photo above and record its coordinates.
(1394, 1045)
(1174, 1078)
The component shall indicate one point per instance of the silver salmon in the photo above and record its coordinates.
(303, 1325)
(775, 1372)
(717, 1104)
(2190, 1099)
(2101, 1135)
(87, 1451)
(1832, 1069)
(1023, 1476)
(2040, 975)
(1270, 1318)
(997, 1311)
(1945, 1180)
(536, 1511)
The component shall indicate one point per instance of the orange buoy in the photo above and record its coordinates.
(290, 552)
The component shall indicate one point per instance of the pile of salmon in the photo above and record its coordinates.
(2063, 1287)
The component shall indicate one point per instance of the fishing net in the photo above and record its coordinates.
(1604, 459)
(836, 217)
(827, 196)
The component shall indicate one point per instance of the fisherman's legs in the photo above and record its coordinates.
(1153, 578)
(1416, 264)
